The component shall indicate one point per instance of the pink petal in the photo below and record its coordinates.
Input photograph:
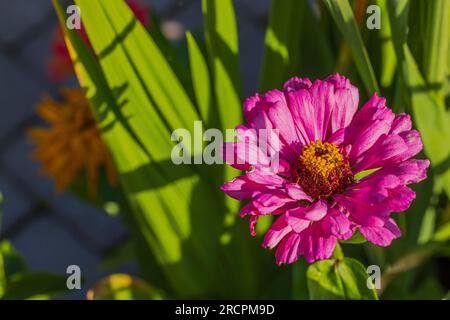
(382, 235)
(401, 123)
(281, 119)
(296, 192)
(287, 251)
(302, 110)
(295, 83)
(245, 186)
(276, 232)
(295, 222)
(383, 151)
(323, 100)
(273, 202)
(337, 224)
(316, 246)
(347, 99)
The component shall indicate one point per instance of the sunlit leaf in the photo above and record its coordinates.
(123, 287)
(344, 19)
(344, 279)
(200, 78)
(283, 43)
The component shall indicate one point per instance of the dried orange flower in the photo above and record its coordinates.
(71, 145)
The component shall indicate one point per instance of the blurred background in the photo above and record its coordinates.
(53, 230)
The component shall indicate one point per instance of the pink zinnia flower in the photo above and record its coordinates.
(324, 142)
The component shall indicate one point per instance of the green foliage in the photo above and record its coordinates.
(356, 238)
(18, 283)
(339, 279)
(183, 227)
(123, 287)
(343, 16)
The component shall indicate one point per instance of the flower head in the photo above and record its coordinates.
(340, 169)
(60, 64)
(72, 144)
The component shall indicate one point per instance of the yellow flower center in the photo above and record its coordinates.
(322, 170)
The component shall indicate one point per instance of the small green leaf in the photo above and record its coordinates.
(354, 279)
(365, 173)
(356, 238)
(123, 287)
(33, 285)
(324, 282)
(12, 260)
(344, 279)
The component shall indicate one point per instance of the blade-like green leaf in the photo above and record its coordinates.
(163, 223)
(343, 16)
(388, 58)
(282, 43)
(222, 45)
(428, 109)
(200, 78)
(436, 43)
(222, 50)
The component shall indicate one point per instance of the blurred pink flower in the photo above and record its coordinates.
(324, 141)
(60, 64)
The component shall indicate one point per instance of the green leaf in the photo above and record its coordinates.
(139, 140)
(344, 279)
(436, 43)
(430, 115)
(13, 262)
(282, 42)
(343, 16)
(200, 78)
(123, 287)
(324, 282)
(35, 285)
(443, 233)
(222, 46)
(388, 57)
(354, 280)
(365, 173)
(222, 50)
(356, 238)
(2, 276)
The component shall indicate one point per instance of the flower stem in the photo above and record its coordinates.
(338, 254)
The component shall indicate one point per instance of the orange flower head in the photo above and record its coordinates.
(71, 145)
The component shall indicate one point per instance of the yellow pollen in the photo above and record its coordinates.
(322, 170)
(321, 158)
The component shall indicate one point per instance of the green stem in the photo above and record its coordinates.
(338, 254)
